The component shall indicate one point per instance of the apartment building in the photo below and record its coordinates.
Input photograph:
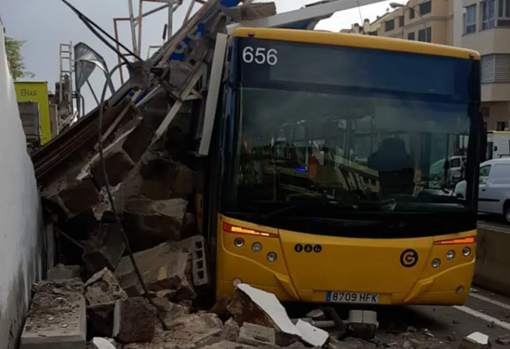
(422, 20)
(487, 30)
(481, 25)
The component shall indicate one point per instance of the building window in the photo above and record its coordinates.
(411, 13)
(470, 20)
(425, 7)
(401, 21)
(389, 25)
(410, 36)
(488, 14)
(503, 13)
(501, 126)
(425, 36)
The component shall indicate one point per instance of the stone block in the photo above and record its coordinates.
(243, 309)
(72, 194)
(156, 218)
(162, 268)
(63, 272)
(104, 248)
(56, 320)
(117, 163)
(134, 321)
(101, 293)
(257, 335)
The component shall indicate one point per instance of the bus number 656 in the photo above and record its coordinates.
(260, 55)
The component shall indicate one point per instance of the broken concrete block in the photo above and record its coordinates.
(257, 335)
(101, 293)
(134, 321)
(264, 309)
(68, 286)
(475, 340)
(157, 219)
(102, 343)
(227, 345)
(79, 225)
(169, 311)
(162, 268)
(74, 194)
(251, 11)
(196, 246)
(168, 294)
(164, 178)
(231, 330)
(194, 331)
(116, 161)
(503, 340)
(63, 272)
(243, 309)
(104, 248)
(220, 307)
(56, 319)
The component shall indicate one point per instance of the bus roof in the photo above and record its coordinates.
(356, 40)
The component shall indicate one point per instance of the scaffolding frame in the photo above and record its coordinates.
(136, 24)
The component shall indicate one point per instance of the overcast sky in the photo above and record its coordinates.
(47, 23)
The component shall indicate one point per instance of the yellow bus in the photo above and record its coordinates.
(321, 189)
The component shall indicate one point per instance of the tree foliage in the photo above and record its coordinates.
(16, 62)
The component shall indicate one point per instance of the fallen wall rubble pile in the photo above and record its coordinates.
(68, 313)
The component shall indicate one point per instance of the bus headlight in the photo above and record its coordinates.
(271, 256)
(256, 247)
(436, 263)
(238, 242)
(450, 254)
(466, 251)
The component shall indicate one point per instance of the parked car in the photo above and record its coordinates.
(494, 188)
(454, 172)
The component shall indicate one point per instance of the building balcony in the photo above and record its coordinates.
(489, 41)
(496, 92)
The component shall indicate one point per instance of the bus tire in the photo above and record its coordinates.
(506, 211)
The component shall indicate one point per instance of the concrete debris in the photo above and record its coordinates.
(363, 324)
(117, 163)
(475, 340)
(264, 309)
(354, 343)
(316, 314)
(231, 330)
(101, 293)
(71, 194)
(57, 317)
(162, 268)
(503, 340)
(251, 12)
(64, 272)
(191, 331)
(104, 248)
(170, 311)
(220, 307)
(256, 335)
(102, 343)
(162, 219)
(134, 321)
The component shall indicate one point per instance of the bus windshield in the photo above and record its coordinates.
(363, 129)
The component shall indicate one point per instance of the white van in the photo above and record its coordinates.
(494, 188)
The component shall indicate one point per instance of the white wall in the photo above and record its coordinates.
(21, 235)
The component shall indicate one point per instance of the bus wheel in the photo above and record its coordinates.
(506, 211)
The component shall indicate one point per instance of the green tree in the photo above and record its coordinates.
(15, 59)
